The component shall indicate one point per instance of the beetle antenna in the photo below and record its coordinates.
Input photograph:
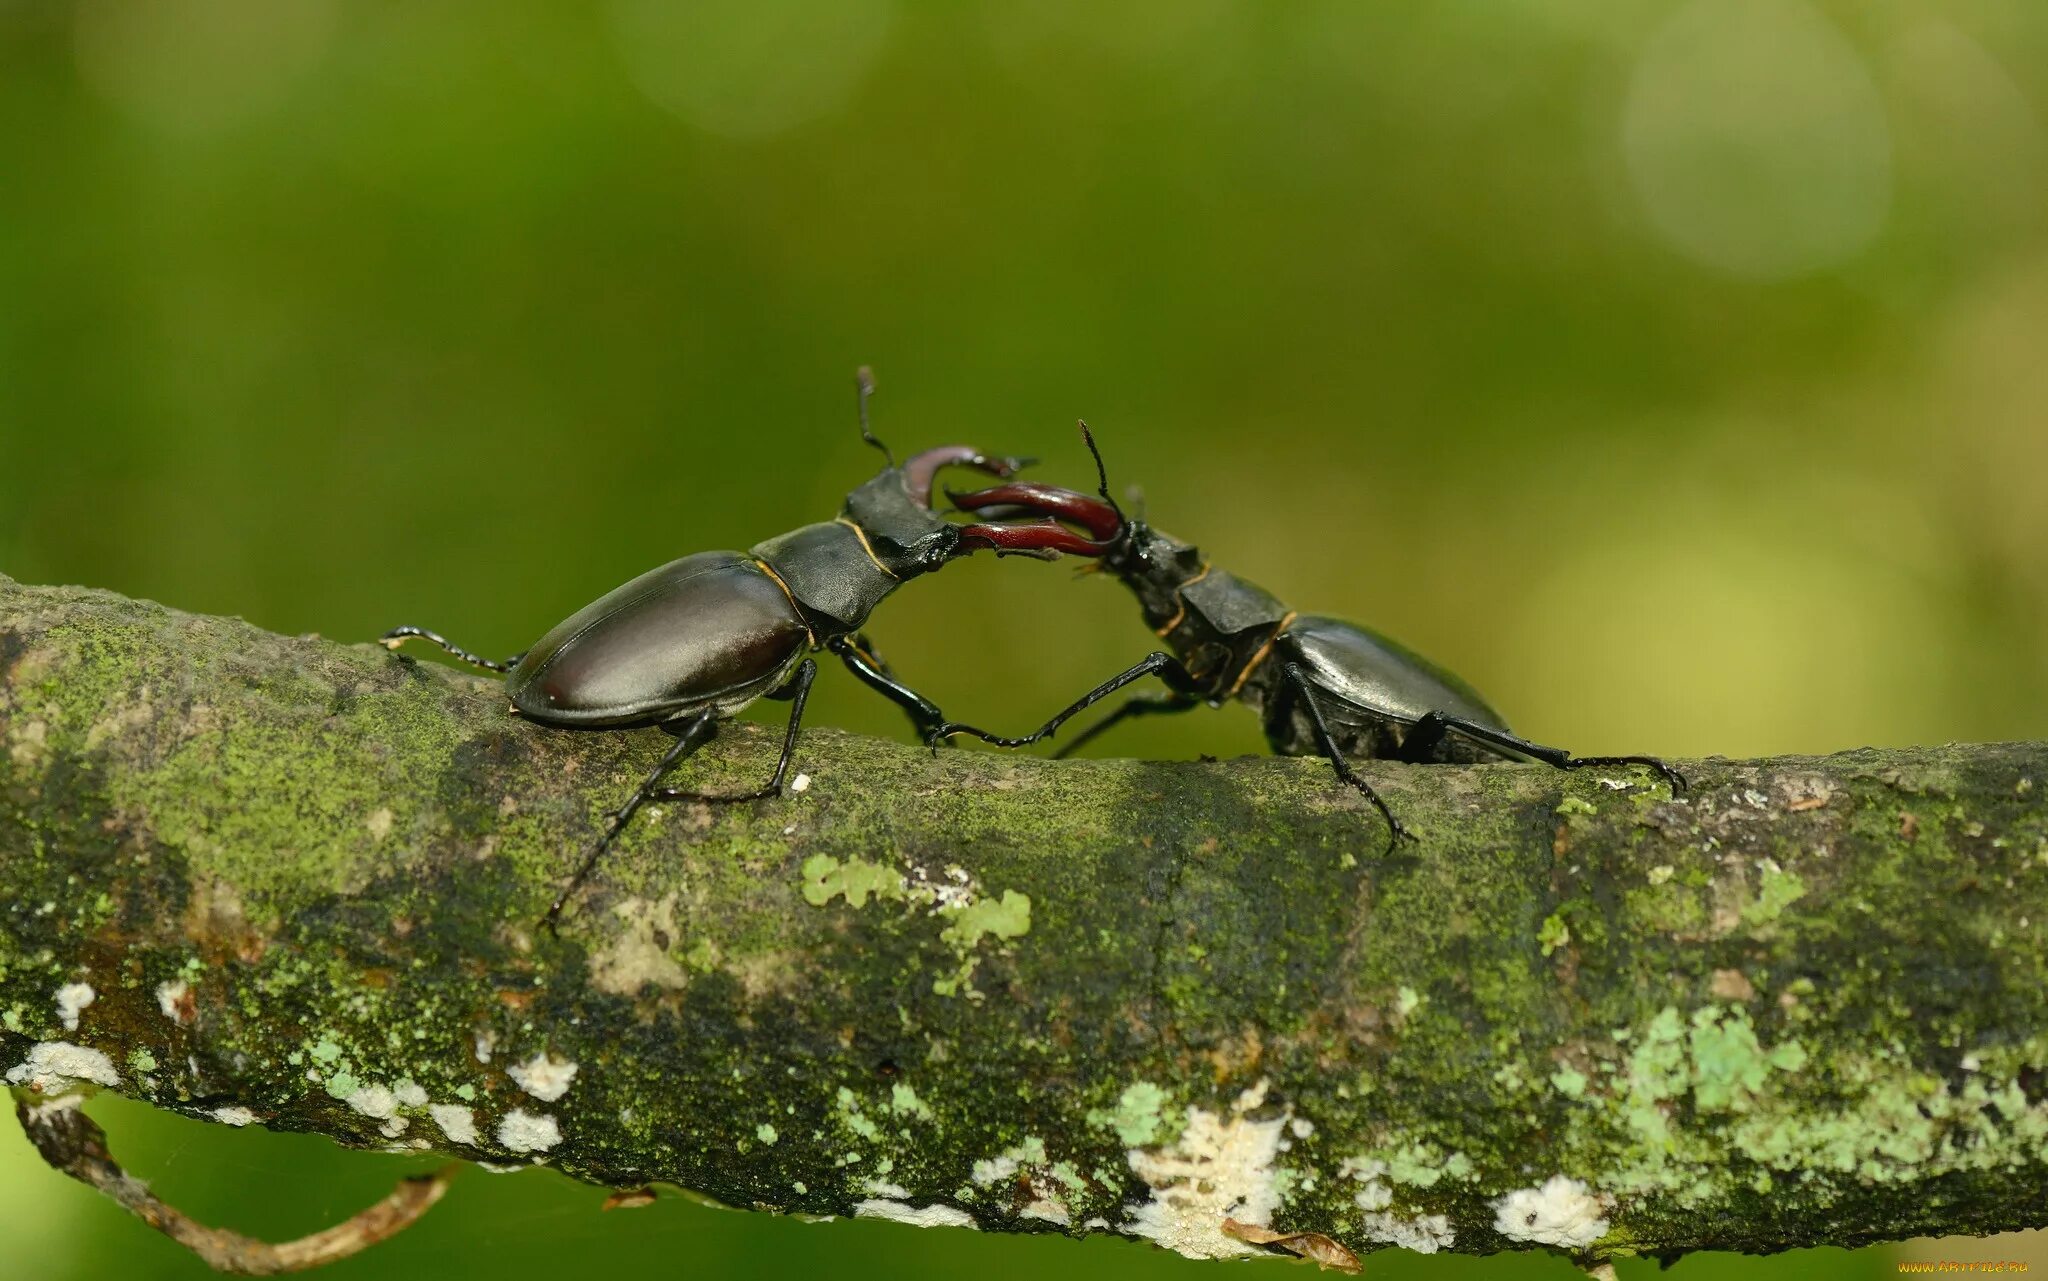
(1101, 472)
(864, 387)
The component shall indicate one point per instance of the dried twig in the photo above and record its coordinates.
(74, 1144)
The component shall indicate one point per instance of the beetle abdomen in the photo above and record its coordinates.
(1381, 675)
(707, 631)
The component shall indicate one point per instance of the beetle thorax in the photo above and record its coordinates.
(1218, 624)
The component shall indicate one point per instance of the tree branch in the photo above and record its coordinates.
(270, 878)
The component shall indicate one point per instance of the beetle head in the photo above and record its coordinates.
(894, 515)
(1143, 552)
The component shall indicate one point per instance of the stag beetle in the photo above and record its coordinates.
(1322, 685)
(689, 644)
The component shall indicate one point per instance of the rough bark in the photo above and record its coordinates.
(298, 881)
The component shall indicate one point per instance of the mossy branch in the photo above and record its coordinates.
(260, 877)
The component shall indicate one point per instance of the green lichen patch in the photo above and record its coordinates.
(1008, 917)
(1140, 1116)
(903, 1101)
(1729, 1064)
(826, 878)
(1777, 889)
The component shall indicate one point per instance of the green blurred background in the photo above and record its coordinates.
(1672, 371)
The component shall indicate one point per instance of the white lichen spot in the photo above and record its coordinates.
(930, 1216)
(544, 1076)
(1562, 1212)
(28, 743)
(638, 956)
(1375, 1195)
(1024, 1166)
(1425, 1234)
(379, 824)
(53, 1067)
(486, 1042)
(1661, 873)
(953, 889)
(1221, 1168)
(375, 1102)
(174, 997)
(235, 1116)
(394, 1127)
(1301, 1127)
(410, 1094)
(878, 1188)
(523, 1131)
(458, 1123)
(50, 1109)
(801, 783)
(72, 999)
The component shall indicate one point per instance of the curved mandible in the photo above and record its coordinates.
(1051, 501)
(1045, 539)
(919, 469)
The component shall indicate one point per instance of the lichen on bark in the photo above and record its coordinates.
(1802, 1004)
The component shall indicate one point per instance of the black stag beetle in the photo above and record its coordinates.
(689, 644)
(1322, 685)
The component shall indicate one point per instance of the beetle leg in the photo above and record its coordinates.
(1163, 665)
(1556, 756)
(1299, 682)
(862, 661)
(1135, 705)
(1419, 744)
(798, 691)
(397, 636)
(695, 732)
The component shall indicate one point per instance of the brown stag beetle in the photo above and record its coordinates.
(689, 644)
(1322, 685)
